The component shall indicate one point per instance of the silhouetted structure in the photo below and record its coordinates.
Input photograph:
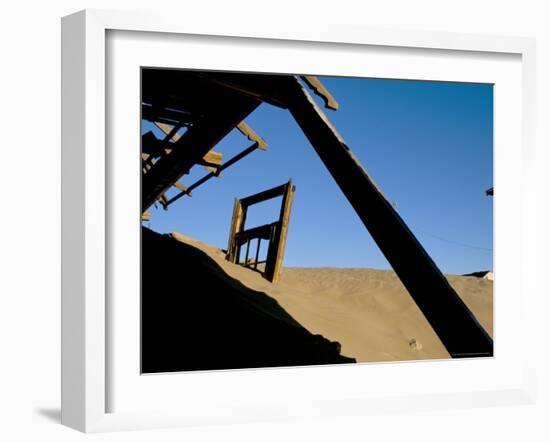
(274, 233)
(208, 105)
(219, 324)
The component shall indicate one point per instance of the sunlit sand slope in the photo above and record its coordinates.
(367, 311)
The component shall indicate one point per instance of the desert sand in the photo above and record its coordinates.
(196, 316)
(367, 311)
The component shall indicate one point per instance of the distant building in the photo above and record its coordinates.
(486, 274)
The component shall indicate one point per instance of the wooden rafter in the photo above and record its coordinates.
(217, 173)
(193, 145)
(246, 130)
(211, 160)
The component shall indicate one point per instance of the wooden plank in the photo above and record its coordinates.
(262, 232)
(285, 219)
(319, 89)
(211, 157)
(217, 173)
(450, 318)
(265, 195)
(157, 148)
(246, 130)
(211, 161)
(166, 128)
(237, 223)
(163, 201)
(256, 257)
(276, 249)
(181, 187)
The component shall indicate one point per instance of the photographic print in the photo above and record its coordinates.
(298, 220)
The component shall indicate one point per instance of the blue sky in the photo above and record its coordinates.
(427, 145)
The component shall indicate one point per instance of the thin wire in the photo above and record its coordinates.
(455, 242)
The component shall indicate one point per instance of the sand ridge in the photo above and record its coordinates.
(368, 311)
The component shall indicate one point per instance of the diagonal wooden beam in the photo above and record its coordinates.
(194, 144)
(217, 173)
(454, 323)
(276, 252)
(247, 131)
(211, 161)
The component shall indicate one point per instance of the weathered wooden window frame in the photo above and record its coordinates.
(275, 234)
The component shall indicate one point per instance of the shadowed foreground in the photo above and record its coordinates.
(196, 317)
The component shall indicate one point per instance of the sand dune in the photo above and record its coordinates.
(196, 316)
(367, 311)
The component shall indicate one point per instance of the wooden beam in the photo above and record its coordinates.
(454, 323)
(168, 116)
(215, 174)
(181, 187)
(262, 232)
(276, 252)
(237, 224)
(166, 128)
(194, 144)
(246, 130)
(262, 87)
(319, 89)
(212, 161)
(265, 195)
(211, 157)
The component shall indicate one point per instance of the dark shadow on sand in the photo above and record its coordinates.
(196, 317)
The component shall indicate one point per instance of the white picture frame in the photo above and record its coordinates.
(86, 317)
